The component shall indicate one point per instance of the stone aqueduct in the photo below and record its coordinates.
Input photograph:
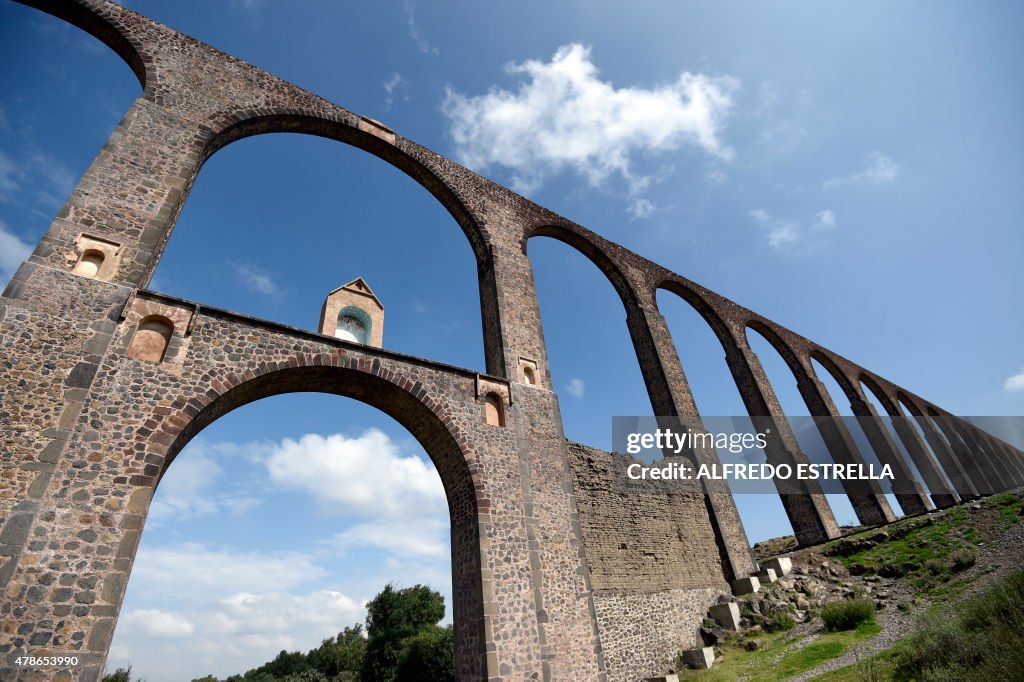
(554, 577)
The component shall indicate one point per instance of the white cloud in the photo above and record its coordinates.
(192, 488)
(415, 32)
(415, 537)
(781, 233)
(157, 623)
(13, 252)
(575, 388)
(223, 611)
(790, 235)
(396, 87)
(717, 177)
(207, 570)
(365, 475)
(880, 169)
(1016, 382)
(826, 219)
(255, 279)
(254, 8)
(564, 117)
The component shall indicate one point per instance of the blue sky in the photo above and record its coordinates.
(851, 171)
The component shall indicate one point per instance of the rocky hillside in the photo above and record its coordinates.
(903, 571)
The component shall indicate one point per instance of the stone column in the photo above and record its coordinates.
(867, 497)
(951, 467)
(942, 494)
(909, 493)
(976, 469)
(804, 501)
(670, 396)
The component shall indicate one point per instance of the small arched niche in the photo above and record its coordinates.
(494, 410)
(90, 263)
(353, 325)
(151, 338)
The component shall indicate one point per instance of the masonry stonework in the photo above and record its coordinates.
(543, 591)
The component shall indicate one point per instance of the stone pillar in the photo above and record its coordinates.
(1008, 469)
(998, 475)
(942, 494)
(976, 469)
(670, 396)
(908, 491)
(999, 450)
(951, 467)
(867, 497)
(804, 501)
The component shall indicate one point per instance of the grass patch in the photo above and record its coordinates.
(759, 666)
(982, 640)
(847, 614)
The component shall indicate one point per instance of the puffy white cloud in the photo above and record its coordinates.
(880, 169)
(415, 537)
(563, 116)
(202, 609)
(13, 251)
(1016, 382)
(575, 388)
(207, 569)
(157, 623)
(365, 475)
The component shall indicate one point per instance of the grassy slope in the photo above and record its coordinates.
(935, 555)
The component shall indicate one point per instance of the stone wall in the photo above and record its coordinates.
(654, 564)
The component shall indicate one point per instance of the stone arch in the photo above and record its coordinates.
(423, 415)
(593, 251)
(342, 126)
(699, 303)
(105, 22)
(830, 365)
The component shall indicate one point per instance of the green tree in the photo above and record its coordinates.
(428, 656)
(392, 617)
(119, 675)
(340, 657)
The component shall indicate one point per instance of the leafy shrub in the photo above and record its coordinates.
(962, 559)
(778, 621)
(847, 614)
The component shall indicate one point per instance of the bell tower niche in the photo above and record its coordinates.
(352, 312)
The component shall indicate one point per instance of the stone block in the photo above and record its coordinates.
(663, 678)
(699, 659)
(727, 615)
(767, 575)
(782, 565)
(746, 585)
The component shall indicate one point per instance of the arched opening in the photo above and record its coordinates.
(64, 93)
(241, 244)
(529, 375)
(591, 358)
(716, 396)
(89, 264)
(353, 325)
(151, 338)
(494, 410)
(298, 467)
